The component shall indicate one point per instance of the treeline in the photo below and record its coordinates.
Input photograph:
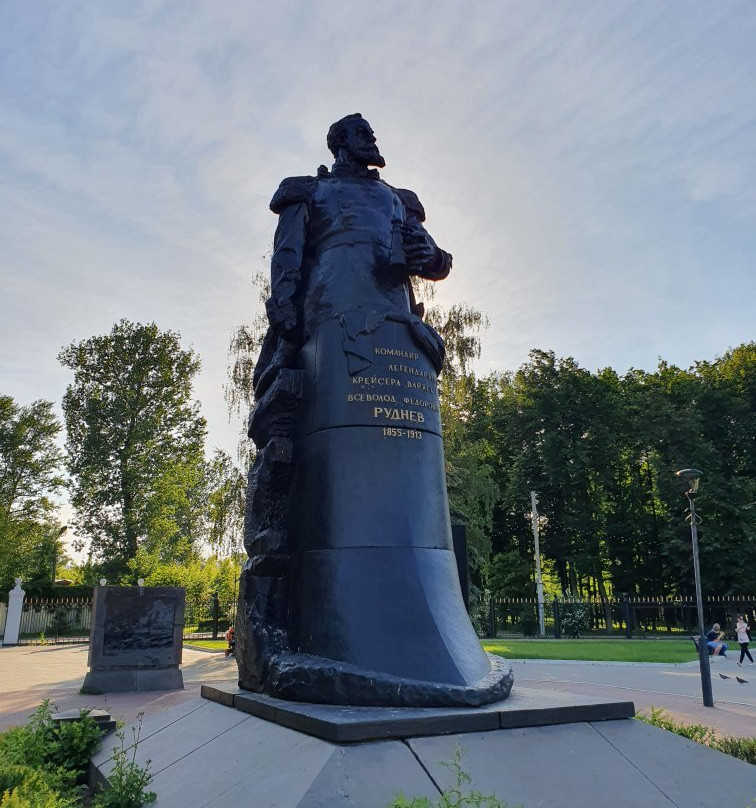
(601, 450)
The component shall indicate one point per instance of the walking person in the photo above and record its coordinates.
(741, 629)
(230, 636)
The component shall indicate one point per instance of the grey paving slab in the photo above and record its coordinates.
(195, 730)
(221, 757)
(576, 765)
(151, 724)
(261, 764)
(343, 724)
(155, 722)
(369, 775)
(256, 764)
(695, 776)
(568, 765)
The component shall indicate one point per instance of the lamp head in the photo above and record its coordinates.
(691, 478)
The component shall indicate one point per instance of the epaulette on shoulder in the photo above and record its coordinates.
(291, 191)
(411, 202)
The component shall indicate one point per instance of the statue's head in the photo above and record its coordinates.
(353, 136)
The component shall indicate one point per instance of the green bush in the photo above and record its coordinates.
(12, 774)
(41, 762)
(36, 791)
(60, 623)
(740, 748)
(574, 618)
(479, 613)
(527, 622)
(26, 746)
(74, 742)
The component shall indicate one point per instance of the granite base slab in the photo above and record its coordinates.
(340, 724)
(206, 755)
(136, 680)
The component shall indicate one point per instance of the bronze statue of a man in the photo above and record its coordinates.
(351, 593)
(346, 242)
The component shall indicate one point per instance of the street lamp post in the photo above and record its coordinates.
(539, 579)
(691, 477)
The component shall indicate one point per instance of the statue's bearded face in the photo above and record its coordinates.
(360, 144)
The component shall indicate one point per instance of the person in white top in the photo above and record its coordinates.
(741, 629)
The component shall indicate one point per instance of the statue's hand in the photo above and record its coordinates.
(418, 248)
(282, 316)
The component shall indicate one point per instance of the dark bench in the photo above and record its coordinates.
(695, 639)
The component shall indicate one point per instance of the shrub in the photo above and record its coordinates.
(479, 613)
(41, 762)
(60, 623)
(73, 743)
(574, 618)
(527, 622)
(36, 791)
(740, 748)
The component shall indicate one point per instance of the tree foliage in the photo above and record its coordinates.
(135, 443)
(30, 475)
(601, 450)
(227, 490)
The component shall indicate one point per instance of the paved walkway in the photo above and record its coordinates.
(29, 674)
(675, 688)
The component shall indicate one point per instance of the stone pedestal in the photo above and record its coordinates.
(372, 612)
(136, 639)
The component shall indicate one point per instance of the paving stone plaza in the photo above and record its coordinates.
(29, 674)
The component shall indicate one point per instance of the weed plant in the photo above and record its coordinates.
(455, 797)
(740, 748)
(128, 781)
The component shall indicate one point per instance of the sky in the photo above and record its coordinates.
(590, 165)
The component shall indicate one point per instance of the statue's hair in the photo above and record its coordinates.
(337, 132)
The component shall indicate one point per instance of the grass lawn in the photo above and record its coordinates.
(681, 650)
(215, 645)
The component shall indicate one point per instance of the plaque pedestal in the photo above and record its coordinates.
(376, 615)
(135, 639)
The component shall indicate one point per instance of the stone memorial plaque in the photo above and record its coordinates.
(136, 639)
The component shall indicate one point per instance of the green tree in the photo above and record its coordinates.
(243, 352)
(227, 490)
(472, 490)
(601, 450)
(30, 466)
(511, 576)
(176, 510)
(135, 442)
